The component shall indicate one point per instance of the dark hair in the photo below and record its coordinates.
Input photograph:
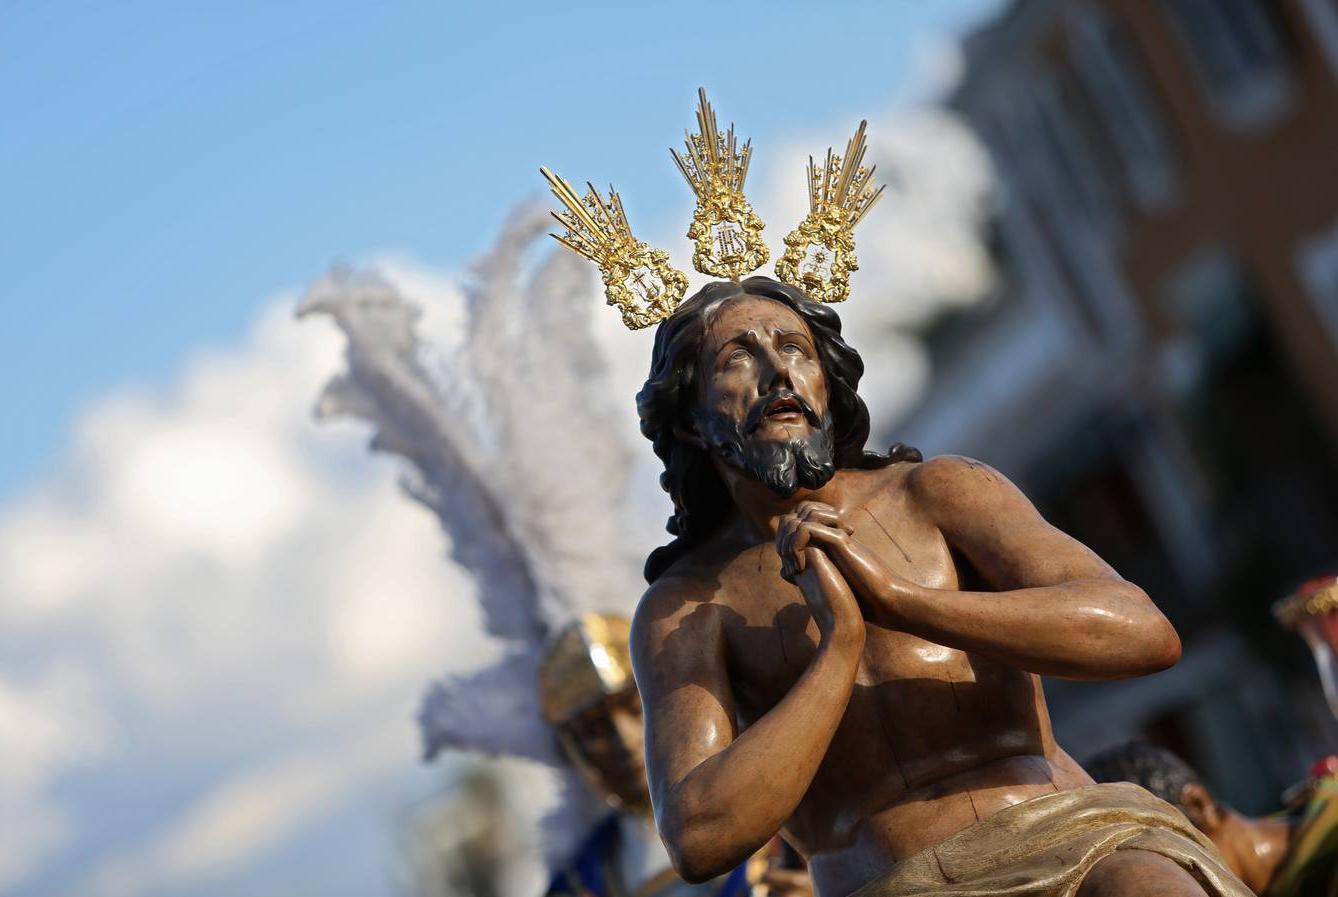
(1156, 769)
(670, 393)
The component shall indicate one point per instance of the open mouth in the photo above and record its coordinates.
(784, 409)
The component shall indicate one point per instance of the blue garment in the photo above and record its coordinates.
(586, 874)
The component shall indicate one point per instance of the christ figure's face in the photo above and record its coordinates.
(762, 400)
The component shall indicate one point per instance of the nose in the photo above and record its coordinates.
(774, 373)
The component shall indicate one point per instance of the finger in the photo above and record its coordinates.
(803, 566)
(784, 532)
(806, 509)
(799, 540)
(824, 516)
(818, 560)
(817, 512)
(823, 535)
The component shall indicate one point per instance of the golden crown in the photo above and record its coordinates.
(726, 232)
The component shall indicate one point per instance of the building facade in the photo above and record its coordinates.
(1159, 367)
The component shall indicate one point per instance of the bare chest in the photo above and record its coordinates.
(772, 636)
(919, 710)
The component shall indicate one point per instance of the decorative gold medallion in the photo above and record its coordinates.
(637, 279)
(820, 253)
(725, 230)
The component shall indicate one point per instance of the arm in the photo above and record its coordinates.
(1059, 610)
(719, 796)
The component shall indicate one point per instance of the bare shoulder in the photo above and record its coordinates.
(681, 599)
(948, 485)
(999, 531)
(670, 594)
(948, 472)
(677, 635)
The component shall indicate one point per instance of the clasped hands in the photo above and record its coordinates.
(823, 528)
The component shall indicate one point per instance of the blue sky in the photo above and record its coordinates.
(167, 167)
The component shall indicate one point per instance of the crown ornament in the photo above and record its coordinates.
(725, 230)
(820, 253)
(637, 279)
(726, 233)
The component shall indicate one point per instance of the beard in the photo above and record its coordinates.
(782, 466)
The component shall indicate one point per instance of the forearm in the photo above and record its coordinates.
(734, 802)
(1084, 629)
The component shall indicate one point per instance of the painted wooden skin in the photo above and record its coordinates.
(857, 666)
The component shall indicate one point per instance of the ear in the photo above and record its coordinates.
(685, 431)
(1201, 808)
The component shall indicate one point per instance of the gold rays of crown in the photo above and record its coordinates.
(637, 278)
(726, 232)
(820, 253)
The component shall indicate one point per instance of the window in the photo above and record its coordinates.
(1108, 66)
(1317, 263)
(1238, 49)
(1061, 175)
(1070, 153)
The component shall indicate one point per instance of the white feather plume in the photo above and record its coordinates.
(387, 385)
(532, 351)
(502, 692)
(513, 443)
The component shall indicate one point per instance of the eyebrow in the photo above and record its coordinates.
(750, 335)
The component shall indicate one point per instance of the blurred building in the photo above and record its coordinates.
(1158, 368)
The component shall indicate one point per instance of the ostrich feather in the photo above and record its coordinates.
(569, 513)
(494, 711)
(387, 385)
(512, 441)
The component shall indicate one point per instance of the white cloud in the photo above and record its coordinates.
(47, 726)
(245, 815)
(214, 571)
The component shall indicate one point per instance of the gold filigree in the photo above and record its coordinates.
(820, 253)
(727, 234)
(1292, 611)
(725, 230)
(637, 279)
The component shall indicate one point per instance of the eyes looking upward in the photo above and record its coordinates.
(746, 346)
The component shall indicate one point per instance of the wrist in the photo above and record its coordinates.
(897, 603)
